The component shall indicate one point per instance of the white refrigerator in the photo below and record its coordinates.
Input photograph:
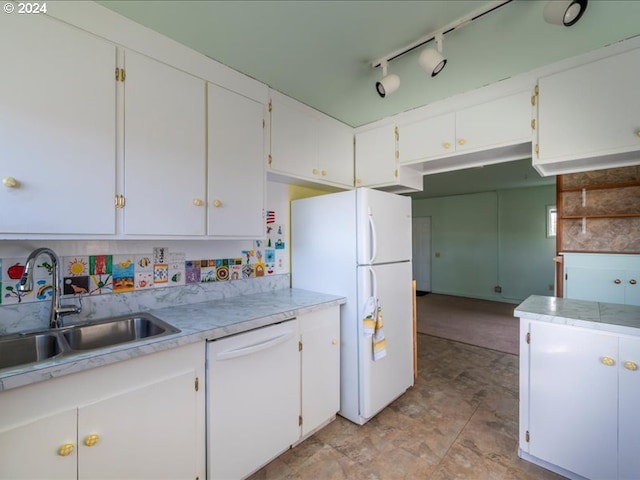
(357, 244)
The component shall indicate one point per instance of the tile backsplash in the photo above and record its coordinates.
(90, 275)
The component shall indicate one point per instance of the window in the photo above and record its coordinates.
(552, 220)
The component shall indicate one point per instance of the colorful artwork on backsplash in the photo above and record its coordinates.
(123, 271)
(105, 274)
(100, 284)
(75, 266)
(192, 271)
(100, 264)
(160, 274)
(11, 275)
(76, 285)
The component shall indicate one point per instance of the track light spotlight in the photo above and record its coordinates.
(388, 84)
(431, 60)
(564, 12)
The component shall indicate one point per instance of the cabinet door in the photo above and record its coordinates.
(335, 152)
(632, 287)
(236, 177)
(164, 159)
(497, 123)
(594, 284)
(376, 157)
(629, 389)
(573, 399)
(428, 138)
(590, 110)
(148, 432)
(293, 138)
(32, 450)
(57, 128)
(320, 367)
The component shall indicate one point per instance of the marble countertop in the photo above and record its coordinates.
(610, 317)
(198, 322)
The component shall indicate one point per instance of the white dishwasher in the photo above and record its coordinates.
(253, 399)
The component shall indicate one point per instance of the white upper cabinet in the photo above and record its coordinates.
(376, 162)
(308, 145)
(488, 130)
(57, 129)
(589, 116)
(164, 155)
(236, 176)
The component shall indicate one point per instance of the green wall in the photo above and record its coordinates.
(483, 240)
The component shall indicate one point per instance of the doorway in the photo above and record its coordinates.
(421, 252)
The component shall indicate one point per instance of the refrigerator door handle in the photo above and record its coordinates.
(374, 238)
(374, 283)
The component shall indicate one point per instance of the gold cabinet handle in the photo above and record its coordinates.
(358, 181)
(91, 440)
(66, 449)
(608, 361)
(633, 366)
(315, 171)
(617, 281)
(638, 133)
(633, 281)
(533, 100)
(533, 124)
(197, 202)
(446, 145)
(323, 173)
(9, 182)
(334, 341)
(462, 141)
(119, 201)
(217, 203)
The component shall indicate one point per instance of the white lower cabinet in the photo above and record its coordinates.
(141, 418)
(611, 278)
(579, 392)
(320, 362)
(268, 389)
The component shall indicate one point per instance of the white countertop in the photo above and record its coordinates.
(198, 322)
(611, 317)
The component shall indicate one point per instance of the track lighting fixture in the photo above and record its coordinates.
(431, 60)
(557, 12)
(564, 12)
(388, 84)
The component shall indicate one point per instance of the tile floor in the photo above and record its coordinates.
(459, 421)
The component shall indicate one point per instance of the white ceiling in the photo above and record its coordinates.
(319, 52)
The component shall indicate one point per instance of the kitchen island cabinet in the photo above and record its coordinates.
(579, 387)
(57, 129)
(142, 418)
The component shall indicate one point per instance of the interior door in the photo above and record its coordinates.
(421, 252)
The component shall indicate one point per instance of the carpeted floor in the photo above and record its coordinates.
(477, 322)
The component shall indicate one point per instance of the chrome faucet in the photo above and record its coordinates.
(26, 285)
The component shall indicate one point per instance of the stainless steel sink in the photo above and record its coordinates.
(24, 349)
(115, 331)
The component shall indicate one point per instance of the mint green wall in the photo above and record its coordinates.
(488, 239)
